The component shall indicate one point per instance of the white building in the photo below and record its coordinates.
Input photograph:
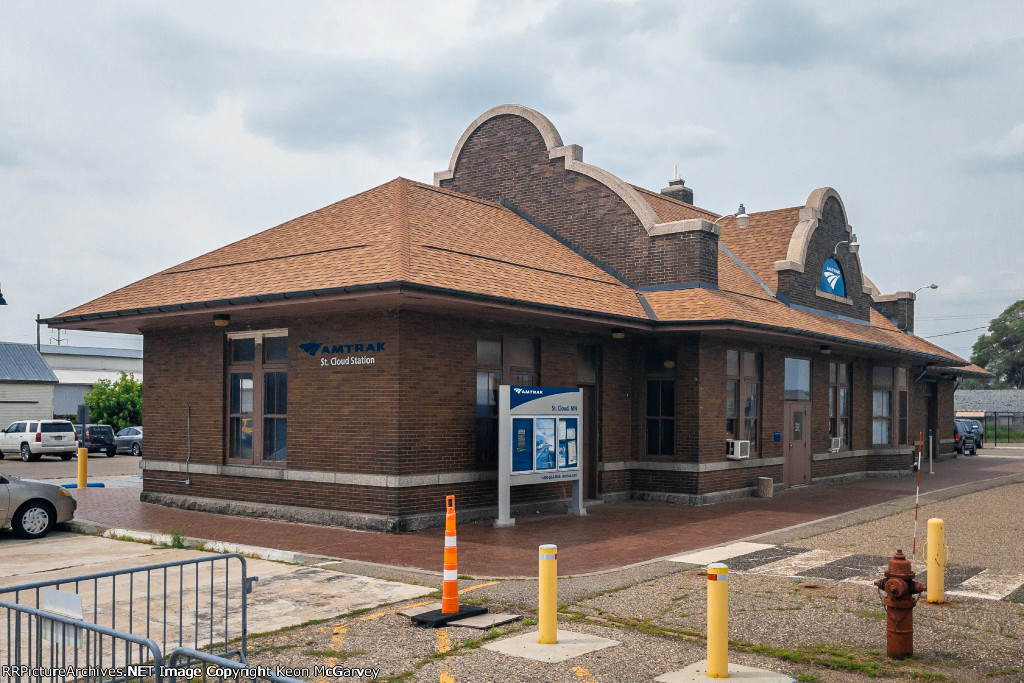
(77, 368)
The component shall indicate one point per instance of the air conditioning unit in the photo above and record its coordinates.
(737, 450)
(835, 444)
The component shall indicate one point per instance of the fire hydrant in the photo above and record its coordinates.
(900, 589)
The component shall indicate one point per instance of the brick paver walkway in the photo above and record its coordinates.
(609, 536)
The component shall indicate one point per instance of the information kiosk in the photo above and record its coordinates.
(540, 440)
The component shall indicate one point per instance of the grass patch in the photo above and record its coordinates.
(828, 656)
(529, 622)
(273, 649)
(1005, 671)
(808, 678)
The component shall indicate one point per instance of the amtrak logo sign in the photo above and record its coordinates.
(832, 281)
(343, 354)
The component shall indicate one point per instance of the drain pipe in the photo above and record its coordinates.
(188, 452)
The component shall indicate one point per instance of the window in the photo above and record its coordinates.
(798, 379)
(743, 391)
(660, 395)
(901, 392)
(661, 413)
(257, 415)
(839, 402)
(508, 360)
(881, 422)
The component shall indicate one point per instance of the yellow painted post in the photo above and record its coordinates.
(718, 620)
(83, 467)
(547, 603)
(936, 557)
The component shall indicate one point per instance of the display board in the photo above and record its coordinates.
(539, 440)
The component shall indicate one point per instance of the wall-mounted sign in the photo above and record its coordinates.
(344, 354)
(539, 431)
(832, 281)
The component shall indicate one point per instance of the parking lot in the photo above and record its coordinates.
(47, 467)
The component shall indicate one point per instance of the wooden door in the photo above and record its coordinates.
(796, 468)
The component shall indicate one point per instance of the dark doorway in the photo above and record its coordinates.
(588, 375)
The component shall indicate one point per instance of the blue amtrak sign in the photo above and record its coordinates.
(832, 281)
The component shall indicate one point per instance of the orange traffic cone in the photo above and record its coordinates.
(450, 592)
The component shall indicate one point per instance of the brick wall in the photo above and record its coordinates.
(801, 287)
(505, 158)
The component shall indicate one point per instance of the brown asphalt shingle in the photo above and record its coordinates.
(404, 231)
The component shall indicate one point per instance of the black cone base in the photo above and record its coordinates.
(436, 618)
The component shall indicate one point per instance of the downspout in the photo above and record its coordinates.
(188, 452)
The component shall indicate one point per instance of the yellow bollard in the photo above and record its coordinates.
(936, 554)
(83, 467)
(718, 620)
(547, 603)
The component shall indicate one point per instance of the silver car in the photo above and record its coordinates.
(129, 440)
(32, 508)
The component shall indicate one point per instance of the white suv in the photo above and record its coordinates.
(35, 438)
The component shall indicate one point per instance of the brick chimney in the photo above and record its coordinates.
(677, 189)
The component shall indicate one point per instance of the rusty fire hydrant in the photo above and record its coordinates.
(899, 587)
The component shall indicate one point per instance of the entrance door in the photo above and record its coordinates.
(796, 468)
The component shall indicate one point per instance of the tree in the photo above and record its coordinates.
(1001, 351)
(118, 404)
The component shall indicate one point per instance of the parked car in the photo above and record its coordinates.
(35, 438)
(98, 438)
(32, 508)
(963, 438)
(129, 440)
(978, 429)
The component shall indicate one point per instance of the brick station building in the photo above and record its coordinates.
(343, 367)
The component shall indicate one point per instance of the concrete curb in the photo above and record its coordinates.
(79, 526)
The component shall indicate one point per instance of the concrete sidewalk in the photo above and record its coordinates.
(610, 536)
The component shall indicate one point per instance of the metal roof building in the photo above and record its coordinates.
(26, 384)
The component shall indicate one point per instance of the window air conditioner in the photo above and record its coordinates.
(835, 444)
(737, 450)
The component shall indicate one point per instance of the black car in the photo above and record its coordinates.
(978, 429)
(98, 438)
(963, 438)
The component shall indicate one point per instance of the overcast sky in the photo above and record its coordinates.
(134, 136)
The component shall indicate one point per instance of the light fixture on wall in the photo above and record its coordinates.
(854, 245)
(618, 333)
(221, 319)
(825, 349)
(669, 364)
(742, 219)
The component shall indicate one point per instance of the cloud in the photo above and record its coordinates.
(786, 34)
(1004, 156)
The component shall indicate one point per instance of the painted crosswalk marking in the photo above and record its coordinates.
(758, 558)
(798, 564)
(989, 585)
(720, 553)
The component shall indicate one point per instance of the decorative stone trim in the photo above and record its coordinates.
(343, 518)
(810, 214)
(573, 156)
(687, 466)
(833, 297)
(816, 457)
(347, 478)
(897, 296)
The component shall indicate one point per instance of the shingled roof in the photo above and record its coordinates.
(405, 233)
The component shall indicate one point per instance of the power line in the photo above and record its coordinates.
(946, 334)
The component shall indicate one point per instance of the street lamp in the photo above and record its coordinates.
(854, 245)
(906, 304)
(931, 286)
(742, 219)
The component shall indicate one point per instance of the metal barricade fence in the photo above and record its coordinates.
(217, 669)
(38, 646)
(199, 603)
